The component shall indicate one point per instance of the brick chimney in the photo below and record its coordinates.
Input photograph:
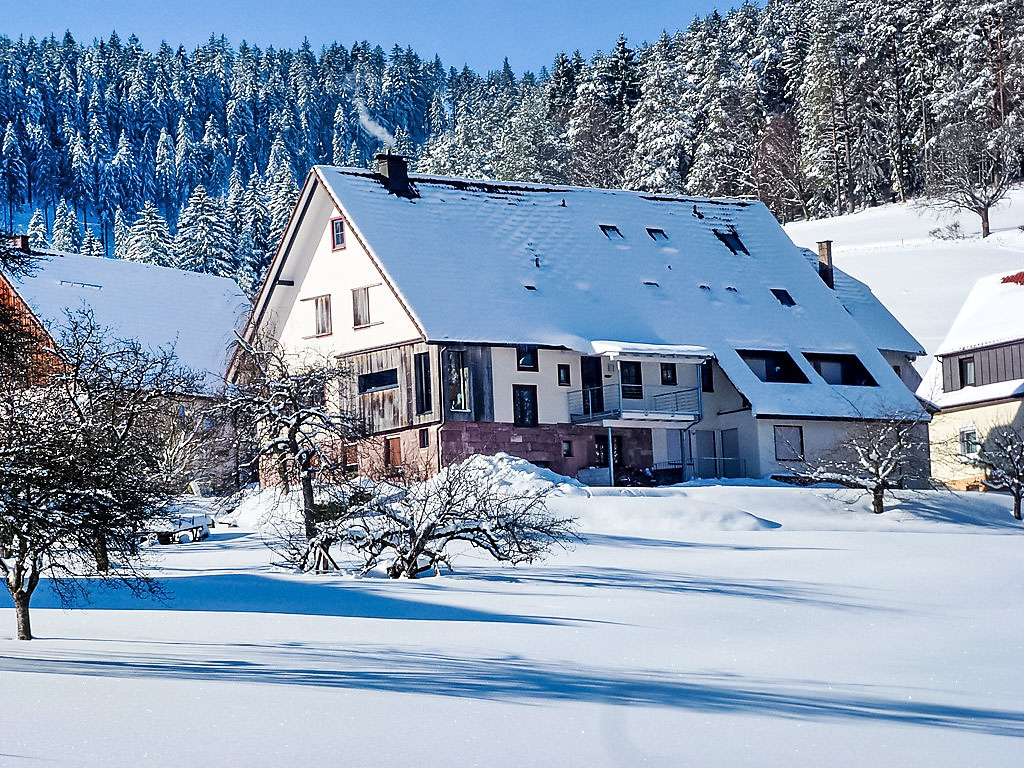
(395, 171)
(19, 242)
(825, 270)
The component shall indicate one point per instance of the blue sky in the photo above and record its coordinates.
(529, 32)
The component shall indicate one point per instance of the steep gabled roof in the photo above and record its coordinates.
(504, 263)
(197, 313)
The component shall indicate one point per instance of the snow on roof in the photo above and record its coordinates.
(878, 322)
(992, 314)
(195, 312)
(564, 266)
(618, 348)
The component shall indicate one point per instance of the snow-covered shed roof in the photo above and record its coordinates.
(195, 312)
(507, 263)
(871, 314)
(992, 314)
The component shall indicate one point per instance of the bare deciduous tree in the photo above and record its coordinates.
(877, 456)
(284, 402)
(1001, 456)
(80, 470)
(971, 168)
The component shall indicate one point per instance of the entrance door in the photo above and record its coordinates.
(706, 457)
(592, 381)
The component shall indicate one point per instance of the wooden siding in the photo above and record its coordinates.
(991, 365)
(395, 408)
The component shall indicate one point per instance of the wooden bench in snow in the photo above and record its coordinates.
(186, 529)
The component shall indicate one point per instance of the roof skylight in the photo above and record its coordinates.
(610, 230)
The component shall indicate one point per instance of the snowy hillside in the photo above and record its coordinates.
(692, 626)
(921, 279)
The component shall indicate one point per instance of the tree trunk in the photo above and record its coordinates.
(1016, 506)
(102, 553)
(878, 500)
(21, 610)
(985, 231)
(308, 503)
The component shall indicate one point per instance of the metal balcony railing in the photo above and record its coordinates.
(633, 401)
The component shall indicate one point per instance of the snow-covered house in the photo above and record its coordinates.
(976, 381)
(196, 314)
(689, 335)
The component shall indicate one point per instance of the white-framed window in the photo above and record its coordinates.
(322, 309)
(969, 442)
(337, 234)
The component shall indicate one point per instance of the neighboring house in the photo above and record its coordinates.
(977, 379)
(196, 314)
(574, 326)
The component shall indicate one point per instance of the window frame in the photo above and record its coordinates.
(362, 381)
(567, 449)
(784, 362)
(566, 379)
(424, 438)
(657, 233)
(322, 313)
(707, 377)
(609, 229)
(525, 351)
(635, 389)
(423, 397)
(531, 390)
(334, 233)
(731, 239)
(364, 291)
(965, 443)
(673, 380)
(458, 375)
(849, 365)
(800, 455)
(965, 364)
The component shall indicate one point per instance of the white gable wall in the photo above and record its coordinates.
(319, 270)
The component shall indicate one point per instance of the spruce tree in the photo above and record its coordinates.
(149, 240)
(37, 231)
(65, 235)
(202, 241)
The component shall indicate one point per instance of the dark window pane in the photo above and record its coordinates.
(773, 366)
(458, 381)
(707, 377)
(421, 366)
(524, 405)
(564, 376)
(841, 369)
(632, 380)
(526, 357)
(338, 233)
(668, 374)
(783, 296)
(378, 380)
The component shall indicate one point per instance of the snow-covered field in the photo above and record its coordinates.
(703, 626)
(922, 280)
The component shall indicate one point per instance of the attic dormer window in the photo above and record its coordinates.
(610, 230)
(337, 234)
(657, 234)
(783, 296)
(731, 240)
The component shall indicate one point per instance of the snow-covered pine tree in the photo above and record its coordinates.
(202, 241)
(65, 234)
(281, 190)
(37, 235)
(91, 245)
(149, 239)
(121, 229)
(13, 173)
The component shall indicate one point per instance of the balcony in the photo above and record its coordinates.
(640, 403)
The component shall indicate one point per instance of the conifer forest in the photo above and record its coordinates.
(194, 159)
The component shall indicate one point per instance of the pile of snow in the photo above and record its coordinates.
(519, 477)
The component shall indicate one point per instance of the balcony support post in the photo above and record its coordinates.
(611, 460)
